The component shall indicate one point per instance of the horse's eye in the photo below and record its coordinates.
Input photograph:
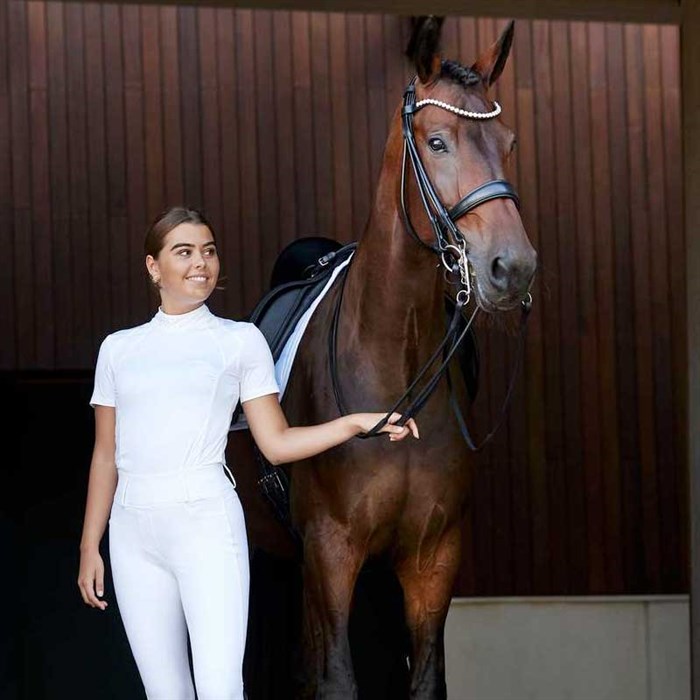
(436, 144)
(513, 145)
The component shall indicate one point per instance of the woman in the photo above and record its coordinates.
(164, 395)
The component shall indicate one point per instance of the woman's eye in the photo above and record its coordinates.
(211, 252)
(437, 144)
(184, 253)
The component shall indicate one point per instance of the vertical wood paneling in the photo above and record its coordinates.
(153, 110)
(304, 125)
(592, 485)
(639, 215)
(376, 91)
(285, 165)
(266, 125)
(360, 173)
(211, 134)
(79, 231)
(551, 280)
(393, 46)
(570, 321)
(275, 123)
(59, 185)
(323, 118)
(8, 356)
(230, 181)
(626, 359)
(210, 120)
(45, 320)
(660, 299)
(342, 180)
(670, 77)
(116, 165)
(190, 106)
(605, 188)
(100, 283)
(251, 243)
(171, 121)
(21, 183)
(135, 156)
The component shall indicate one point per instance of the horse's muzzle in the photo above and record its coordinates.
(505, 280)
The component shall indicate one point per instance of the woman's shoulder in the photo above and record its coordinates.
(242, 337)
(122, 337)
(238, 329)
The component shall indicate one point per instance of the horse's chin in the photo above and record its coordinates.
(494, 303)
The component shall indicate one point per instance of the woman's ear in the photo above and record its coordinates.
(423, 46)
(152, 267)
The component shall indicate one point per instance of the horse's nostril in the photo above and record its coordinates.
(499, 273)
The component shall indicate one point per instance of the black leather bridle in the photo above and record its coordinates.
(451, 247)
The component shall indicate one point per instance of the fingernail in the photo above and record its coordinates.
(99, 592)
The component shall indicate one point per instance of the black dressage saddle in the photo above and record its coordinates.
(300, 273)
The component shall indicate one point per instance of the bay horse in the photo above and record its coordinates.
(372, 498)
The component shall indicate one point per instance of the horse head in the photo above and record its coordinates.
(459, 151)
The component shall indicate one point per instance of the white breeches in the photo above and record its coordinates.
(180, 565)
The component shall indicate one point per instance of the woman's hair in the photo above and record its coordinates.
(165, 222)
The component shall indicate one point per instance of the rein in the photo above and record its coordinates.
(449, 243)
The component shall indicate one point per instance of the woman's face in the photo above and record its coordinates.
(186, 269)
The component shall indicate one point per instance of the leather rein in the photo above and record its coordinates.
(451, 248)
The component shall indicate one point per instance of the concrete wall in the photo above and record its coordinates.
(591, 648)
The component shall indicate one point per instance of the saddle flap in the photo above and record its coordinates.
(278, 312)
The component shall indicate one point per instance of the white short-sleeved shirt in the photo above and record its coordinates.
(175, 382)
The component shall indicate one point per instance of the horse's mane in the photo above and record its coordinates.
(455, 71)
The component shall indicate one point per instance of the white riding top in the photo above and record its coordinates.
(175, 382)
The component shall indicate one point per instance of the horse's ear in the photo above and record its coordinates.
(423, 46)
(491, 63)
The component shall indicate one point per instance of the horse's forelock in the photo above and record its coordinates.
(456, 72)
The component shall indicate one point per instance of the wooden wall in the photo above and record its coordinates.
(274, 123)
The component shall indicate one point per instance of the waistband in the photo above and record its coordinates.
(191, 484)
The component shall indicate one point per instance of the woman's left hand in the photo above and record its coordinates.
(367, 421)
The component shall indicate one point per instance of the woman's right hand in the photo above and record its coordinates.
(367, 421)
(91, 578)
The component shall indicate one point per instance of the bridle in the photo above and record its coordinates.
(451, 248)
(449, 241)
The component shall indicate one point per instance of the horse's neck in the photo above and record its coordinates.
(394, 290)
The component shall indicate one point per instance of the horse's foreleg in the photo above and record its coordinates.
(331, 566)
(427, 578)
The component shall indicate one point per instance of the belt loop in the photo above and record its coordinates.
(228, 471)
(126, 486)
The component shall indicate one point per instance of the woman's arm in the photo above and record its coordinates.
(280, 443)
(101, 487)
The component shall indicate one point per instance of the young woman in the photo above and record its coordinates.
(164, 395)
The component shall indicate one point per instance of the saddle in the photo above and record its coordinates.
(300, 273)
